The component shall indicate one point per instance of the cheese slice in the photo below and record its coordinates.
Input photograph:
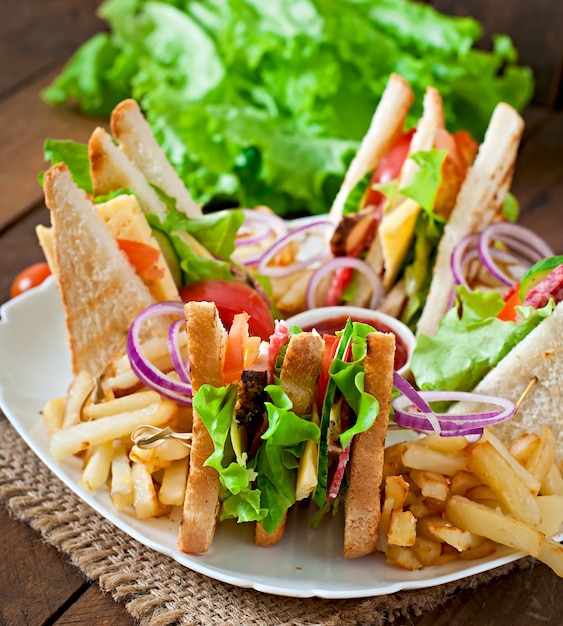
(125, 220)
(396, 233)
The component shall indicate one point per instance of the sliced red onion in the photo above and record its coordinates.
(451, 424)
(279, 245)
(176, 352)
(377, 288)
(263, 225)
(521, 247)
(404, 387)
(459, 258)
(166, 385)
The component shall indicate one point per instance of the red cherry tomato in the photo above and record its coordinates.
(232, 298)
(31, 276)
(512, 300)
(390, 166)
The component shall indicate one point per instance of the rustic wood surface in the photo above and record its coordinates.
(37, 583)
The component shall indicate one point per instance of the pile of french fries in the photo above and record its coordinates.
(125, 435)
(445, 498)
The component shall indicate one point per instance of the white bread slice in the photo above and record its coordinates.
(478, 204)
(539, 354)
(386, 125)
(206, 338)
(111, 169)
(136, 139)
(100, 291)
(363, 498)
(298, 376)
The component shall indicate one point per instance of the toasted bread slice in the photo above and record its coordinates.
(136, 139)
(100, 291)
(540, 355)
(205, 334)
(362, 506)
(430, 122)
(478, 204)
(298, 376)
(386, 125)
(111, 170)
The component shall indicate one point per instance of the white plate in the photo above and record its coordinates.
(35, 366)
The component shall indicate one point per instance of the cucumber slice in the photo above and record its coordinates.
(170, 256)
(535, 274)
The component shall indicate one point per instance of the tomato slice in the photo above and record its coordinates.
(389, 167)
(29, 277)
(234, 353)
(231, 298)
(143, 258)
(512, 299)
(331, 346)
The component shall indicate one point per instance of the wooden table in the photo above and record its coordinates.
(37, 584)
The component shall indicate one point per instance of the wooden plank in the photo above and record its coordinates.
(23, 25)
(94, 607)
(538, 181)
(21, 148)
(529, 598)
(35, 593)
(536, 29)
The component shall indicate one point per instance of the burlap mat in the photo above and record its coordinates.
(156, 590)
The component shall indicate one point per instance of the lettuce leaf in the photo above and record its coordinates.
(266, 102)
(277, 461)
(240, 499)
(470, 341)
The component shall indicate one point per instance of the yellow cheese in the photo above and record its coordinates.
(308, 472)
(125, 220)
(396, 233)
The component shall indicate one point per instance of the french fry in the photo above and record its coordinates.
(79, 437)
(493, 469)
(53, 415)
(456, 537)
(553, 482)
(393, 460)
(462, 481)
(432, 485)
(543, 456)
(484, 549)
(402, 529)
(80, 388)
(125, 404)
(523, 448)
(492, 524)
(551, 508)
(443, 444)
(97, 465)
(529, 479)
(427, 550)
(551, 553)
(173, 486)
(420, 457)
(121, 484)
(145, 499)
(396, 489)
(400, 556)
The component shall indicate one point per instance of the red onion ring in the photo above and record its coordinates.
(524, 248)
(377, 288)
(264, 223)
(175, 351)
(451, 424)
(267, 256)
(167, 386)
